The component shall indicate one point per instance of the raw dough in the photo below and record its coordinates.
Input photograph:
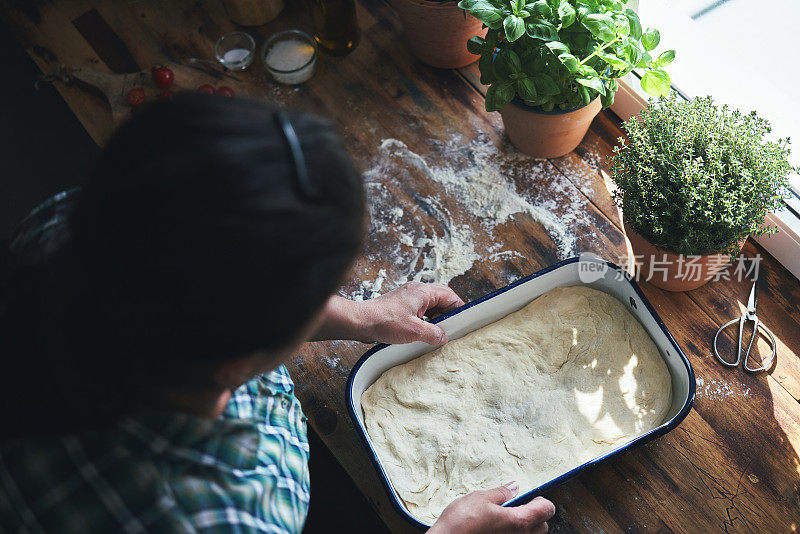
(570, 376)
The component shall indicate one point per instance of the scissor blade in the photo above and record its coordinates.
(752, 302)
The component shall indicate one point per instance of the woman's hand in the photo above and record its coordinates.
(480, 512)
(395, 317)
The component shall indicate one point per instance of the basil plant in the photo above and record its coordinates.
(563, 53)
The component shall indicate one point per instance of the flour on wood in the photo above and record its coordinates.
(484, 184)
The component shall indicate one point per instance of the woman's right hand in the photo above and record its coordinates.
(480, 512)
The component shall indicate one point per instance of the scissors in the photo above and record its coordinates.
(748, 315)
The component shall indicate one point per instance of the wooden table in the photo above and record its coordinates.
(733, 465)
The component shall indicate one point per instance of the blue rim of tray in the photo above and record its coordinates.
(530, 495)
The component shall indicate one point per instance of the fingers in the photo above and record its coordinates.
(396, 317)
(427, 299)
(534, 513)
(440, 299)
(480, 512)
(500, 494)
(429, 333)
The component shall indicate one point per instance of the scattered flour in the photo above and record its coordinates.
(485, 191)
(446, 257)
(718, 389)
(332, 363)
(505, 254)
(369, 289)
(405, 239)
(396, 212)
(484, 184)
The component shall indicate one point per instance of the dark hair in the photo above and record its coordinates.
(195, 240)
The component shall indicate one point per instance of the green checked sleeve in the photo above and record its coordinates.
(241, 473)
(282, 450)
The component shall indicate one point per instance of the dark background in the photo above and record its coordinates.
(43, 147)
(44, 150)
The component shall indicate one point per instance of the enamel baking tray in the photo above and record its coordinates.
(593, 272)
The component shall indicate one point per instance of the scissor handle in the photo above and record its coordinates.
(764, 366)
(739, 353)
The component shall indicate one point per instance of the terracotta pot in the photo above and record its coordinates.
(437, 32)
(670, 270)
(547, 134)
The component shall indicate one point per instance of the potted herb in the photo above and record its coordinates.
(437, 31)
(693, 182)
(552, 64)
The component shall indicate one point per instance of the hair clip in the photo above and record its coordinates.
(301, 172)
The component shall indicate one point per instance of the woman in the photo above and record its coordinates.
(147, 318)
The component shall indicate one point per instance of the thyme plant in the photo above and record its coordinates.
(563, 53)
(695, 179)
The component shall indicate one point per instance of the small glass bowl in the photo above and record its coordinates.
(235, 50)
(301, 70)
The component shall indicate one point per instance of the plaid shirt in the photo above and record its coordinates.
(246, 471)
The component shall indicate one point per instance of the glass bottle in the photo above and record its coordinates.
(335, 25)
(253, 12)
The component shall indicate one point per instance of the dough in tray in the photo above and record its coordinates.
(567, 378)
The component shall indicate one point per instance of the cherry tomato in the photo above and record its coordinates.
(206, 88)
(225, 91)
(163, 77)
(136, 96)
(167, 95)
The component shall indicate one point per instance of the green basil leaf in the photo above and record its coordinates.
(656, 82)
(502, 64)
(486, 67)
(569, 61)
(476, 45)
(545, 85)
(650, 39)
(517, 6)
(666, 58)
(541, 30)
(645, 61)
(538, 101)
(488, 14)
(557, 47)
(540, 8)
(588, 72)
(584, 97)
(514, 27)
(526, 88)
(467, 4)
(513, 60)
(566, 13)
(499, 94)
(634, 23)
(632, 52)
(607, 100)
(601, 26)
(593, 83)
(539, 63)
(622, 25)
(614, 61)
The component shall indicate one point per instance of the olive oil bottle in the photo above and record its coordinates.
(335, 25)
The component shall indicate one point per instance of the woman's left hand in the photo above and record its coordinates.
(395, 317)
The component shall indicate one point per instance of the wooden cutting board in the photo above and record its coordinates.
(189, 75)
